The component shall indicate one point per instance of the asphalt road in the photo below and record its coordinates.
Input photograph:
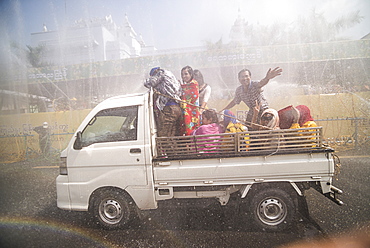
(29, 216)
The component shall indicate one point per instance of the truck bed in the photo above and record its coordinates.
(253, 143)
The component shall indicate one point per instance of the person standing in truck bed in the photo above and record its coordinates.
(250, 92)
(190, 100)
(167, 109)
(204, 90)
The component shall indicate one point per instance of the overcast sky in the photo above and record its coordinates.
(171, 23)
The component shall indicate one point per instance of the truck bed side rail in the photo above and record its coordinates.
(240, 144)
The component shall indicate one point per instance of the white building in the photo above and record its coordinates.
(240, 32)
(90, 41)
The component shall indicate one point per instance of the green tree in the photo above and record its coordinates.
(316, 28)
(313, 28)
(214, 46)
(35, 54)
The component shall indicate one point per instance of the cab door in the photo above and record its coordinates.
(109, 152)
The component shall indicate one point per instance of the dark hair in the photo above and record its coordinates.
(189, 69)
(211, 114)
(267, 116)
(250, 74)
(198, 77)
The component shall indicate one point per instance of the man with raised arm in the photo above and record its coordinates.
(251, 92)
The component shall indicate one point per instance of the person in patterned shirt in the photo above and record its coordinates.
(251, 92)
(167, 109)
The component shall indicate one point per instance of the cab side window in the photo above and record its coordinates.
(111, 125)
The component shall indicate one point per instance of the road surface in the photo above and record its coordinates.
(29, 216)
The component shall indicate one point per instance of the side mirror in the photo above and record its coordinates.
(78, 144)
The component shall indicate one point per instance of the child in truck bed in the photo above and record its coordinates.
(209, 126)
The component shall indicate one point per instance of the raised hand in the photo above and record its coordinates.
(256, 108)
(273, 73)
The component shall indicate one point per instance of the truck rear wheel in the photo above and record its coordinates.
(272, 209)
(113, 209)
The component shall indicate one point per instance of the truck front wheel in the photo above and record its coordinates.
(272, 209)
(113, 209)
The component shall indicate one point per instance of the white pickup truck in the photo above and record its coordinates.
(115, 167)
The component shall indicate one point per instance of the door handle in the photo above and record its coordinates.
(135, 150)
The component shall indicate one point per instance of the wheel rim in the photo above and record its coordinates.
(272, 211)
(110, 211)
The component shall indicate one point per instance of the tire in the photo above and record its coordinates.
(272, 209)
(113, 209)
